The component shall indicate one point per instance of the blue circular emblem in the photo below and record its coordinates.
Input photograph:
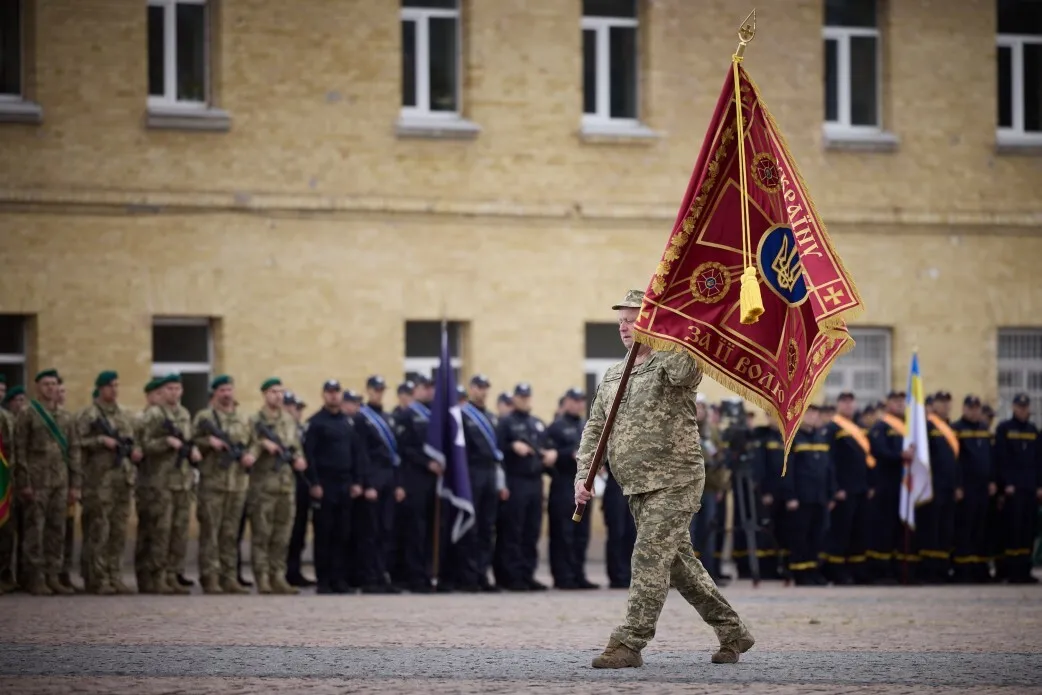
(778, 257)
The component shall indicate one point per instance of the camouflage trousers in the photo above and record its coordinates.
(663, 557)
(45, 519)
(219, 513)
(104, 524)
(155, 508)
(271, 524)
(181, 506)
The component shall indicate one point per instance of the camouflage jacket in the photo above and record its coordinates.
(654, 443)
(213, 474)
(161, 469)
(268, 475)
(100, 471)
(39, 460)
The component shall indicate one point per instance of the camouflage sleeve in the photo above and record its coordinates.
(200, 437)
(90, 438)
(681, 369)
(254, 445)
(23, 430)
(75, 451)
(591, 435)
(153, 436)
(292, 436)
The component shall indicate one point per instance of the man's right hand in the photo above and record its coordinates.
(871, 493)
(174, 442)
(108, 442)
(216, 444)
(1010, 489)
(767, 500)
(521, 449)
(270, 446)
(792, 505)
(582, 495)
(371, 494)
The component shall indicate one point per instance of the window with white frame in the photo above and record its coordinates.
(1020, 370)
(423, 348)
(865, 370)
(604, 348)
(610, 73)
(185, 346)
(11, 48)
(430, 58)
(178, 53)
(1020, 70)
(12, 349)
(853, 83)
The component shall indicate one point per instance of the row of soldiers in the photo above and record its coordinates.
(359, 474)
(836, 514)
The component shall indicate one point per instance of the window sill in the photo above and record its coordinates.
(20, 112)
(436, 128)
(173, 118)
(1018, 144)
(618, 133)
(860, 141)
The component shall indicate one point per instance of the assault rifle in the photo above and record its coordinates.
(185, 452)
(234, 451)
(285, 456)
(124, 445)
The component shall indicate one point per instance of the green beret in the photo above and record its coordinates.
(13, 392)
(152, 385)
(3, 378)
(173, 378)
(46, 373)
(268, 383)
(105, 378)
(94, 394)
(220, 381)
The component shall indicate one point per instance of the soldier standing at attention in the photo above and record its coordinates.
(183, 498)
(1018, 459)
(65, 576)
(568, 540)
(143, 533)
(223, 481)
(109, 453)
(809, 489)
(521, 438)
(48, 478)
(850, 450)
(304, 508)
(935, 520)
(886, 535)
(271, 495)
(657, 459)
(165, 476)
(977, 476)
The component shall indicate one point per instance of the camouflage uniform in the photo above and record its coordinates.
(8, 532)
(161, 479)
(221, 499)
(105, 498)
(41, 465)
(271, 501)
(182, 495)
(656, 457)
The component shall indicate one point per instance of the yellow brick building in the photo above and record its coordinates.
(268, 187)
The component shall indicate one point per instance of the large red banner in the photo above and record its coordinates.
(692, 302)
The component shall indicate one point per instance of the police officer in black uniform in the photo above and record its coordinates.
(303, 510)
(1018, 459)
(848, 523)
(977, 487)
(621, 532)
(886, 535)
(568, 540)
(419, 476)
(935, 520)
(483, 460)
(520, 435)
(336, 454)
(808, 488)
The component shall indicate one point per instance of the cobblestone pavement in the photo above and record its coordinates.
(809, 640)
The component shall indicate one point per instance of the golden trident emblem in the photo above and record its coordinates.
(787, 265)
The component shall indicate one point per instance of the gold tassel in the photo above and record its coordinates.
(751, 301)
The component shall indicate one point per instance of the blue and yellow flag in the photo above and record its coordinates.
(917, 488)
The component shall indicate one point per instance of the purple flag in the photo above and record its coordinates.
(446, 445)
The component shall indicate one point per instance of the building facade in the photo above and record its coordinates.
(307, 188)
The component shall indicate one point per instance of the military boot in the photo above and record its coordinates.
(55, 585)
(145, 583)
(729, 651)
(38, 587)
(263, 585)
(176, 587)
(210, 585)
(160, 585)
(279, 585)
(121, 588)
(66, 581)
(618, 655)
(104, 589)
(229, 585)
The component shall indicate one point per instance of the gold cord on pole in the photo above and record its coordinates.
(751, 302)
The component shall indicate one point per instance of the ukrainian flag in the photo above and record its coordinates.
(916, 488)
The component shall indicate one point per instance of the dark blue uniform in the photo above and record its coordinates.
(885, 542)
(767, 469)
(848, 523)
(336, 455)
(568, 540)
(483, 460)
(977, 473)
(523, 511)
(1018, 459)
(303, 511)
(420, 483)
(377, 516)
(811, 481)
(621, 532)
(935, 520)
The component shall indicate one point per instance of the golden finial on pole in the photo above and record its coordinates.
(746, 32)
